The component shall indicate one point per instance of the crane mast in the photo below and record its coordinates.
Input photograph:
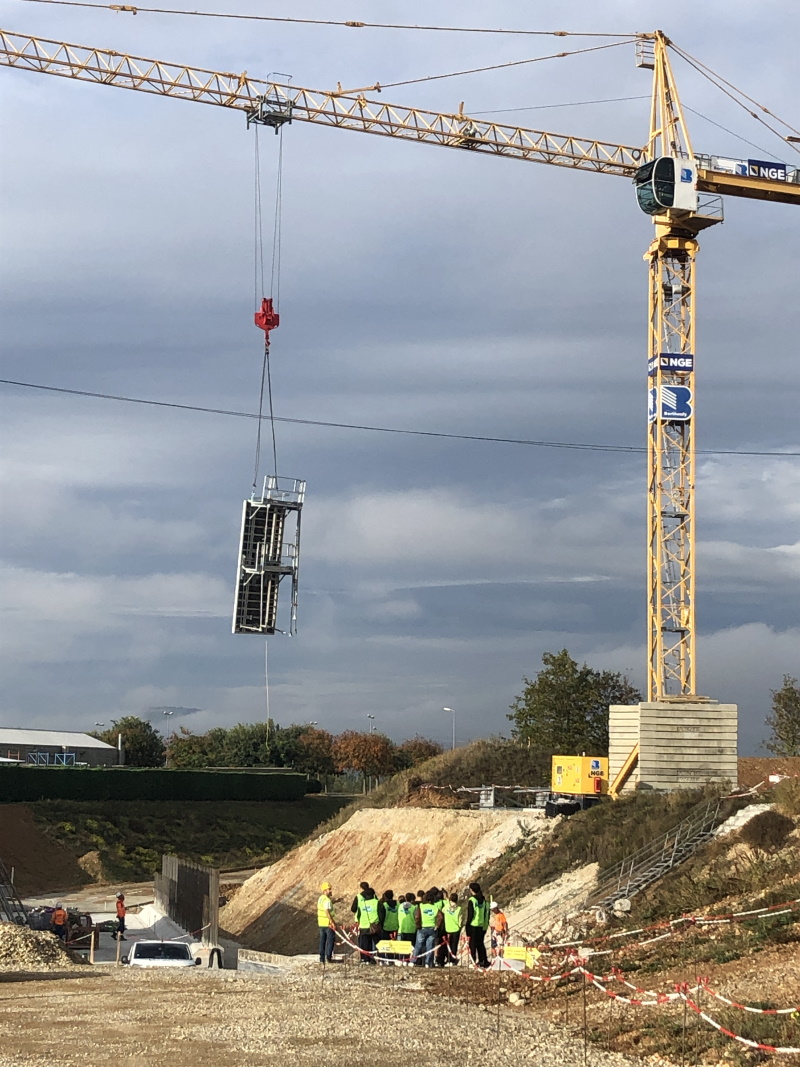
(669, 181)
(671, 354)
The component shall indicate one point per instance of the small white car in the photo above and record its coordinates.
(160, 954)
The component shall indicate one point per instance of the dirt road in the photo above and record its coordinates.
(354, 1016)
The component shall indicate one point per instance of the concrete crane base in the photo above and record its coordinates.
(683, 743)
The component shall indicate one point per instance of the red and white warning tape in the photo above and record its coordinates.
(772, 911)
(682, 992)
(341, 933)
(600, 980)
(788, 1050)
(747, 1007)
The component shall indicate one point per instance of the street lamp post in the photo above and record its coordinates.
(453, 713)
(372, 731)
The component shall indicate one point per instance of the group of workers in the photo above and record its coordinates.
(431, 921)
(60, 920)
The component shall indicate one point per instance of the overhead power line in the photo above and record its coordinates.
(135, 9)
(530, 443)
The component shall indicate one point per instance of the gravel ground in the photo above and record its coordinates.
(350, 1017)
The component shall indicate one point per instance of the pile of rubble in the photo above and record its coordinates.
(22, 949)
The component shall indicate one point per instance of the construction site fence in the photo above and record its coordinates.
(188, 893)
(22, 784)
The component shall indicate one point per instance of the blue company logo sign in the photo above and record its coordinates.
(676, 404)
(759, 168)
(594, 766)
(686, 174)
(672, 363)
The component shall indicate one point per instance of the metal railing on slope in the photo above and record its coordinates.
(653, 860)
(12, 909)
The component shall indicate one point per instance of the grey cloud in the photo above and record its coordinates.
(420, 288)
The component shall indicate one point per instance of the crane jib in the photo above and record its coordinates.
(274, 104)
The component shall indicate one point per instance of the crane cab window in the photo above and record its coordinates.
(655, 185)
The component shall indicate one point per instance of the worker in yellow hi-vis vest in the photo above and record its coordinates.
(477, 924)
(453, 922)
(325, 923)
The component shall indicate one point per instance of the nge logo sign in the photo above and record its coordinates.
(759, 168)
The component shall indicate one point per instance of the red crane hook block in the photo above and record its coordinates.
(267, 318)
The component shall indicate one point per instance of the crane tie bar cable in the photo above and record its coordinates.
(378, 86)
(730, 90)
(135, 9)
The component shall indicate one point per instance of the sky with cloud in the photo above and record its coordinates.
(420, 288)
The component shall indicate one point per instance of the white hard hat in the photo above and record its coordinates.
(494, 904)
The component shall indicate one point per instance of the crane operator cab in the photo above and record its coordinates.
(667, 184)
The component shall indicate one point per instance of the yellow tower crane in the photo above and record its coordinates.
(681, 190)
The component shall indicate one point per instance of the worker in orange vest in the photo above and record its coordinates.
(122, 911)
(59, 922)
(498, 924)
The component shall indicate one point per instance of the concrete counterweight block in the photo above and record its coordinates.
(683, 742)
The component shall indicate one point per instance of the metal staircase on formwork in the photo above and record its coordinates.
(646, 866)
(12, 910)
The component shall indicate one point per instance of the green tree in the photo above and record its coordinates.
(245, 745)
(285, 744)
(784, 720)
(144, 746)
(564, 709)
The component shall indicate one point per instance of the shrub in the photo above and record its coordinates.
(767, 832)
(20, 784)
(787, 796)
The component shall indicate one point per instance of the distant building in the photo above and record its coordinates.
(54, 748)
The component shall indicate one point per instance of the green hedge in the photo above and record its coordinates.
(85, 783)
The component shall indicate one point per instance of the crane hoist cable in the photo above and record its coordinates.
(266, 315)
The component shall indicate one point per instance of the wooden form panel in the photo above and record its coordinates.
(623, 734)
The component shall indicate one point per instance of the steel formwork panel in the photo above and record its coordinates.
(266, 557)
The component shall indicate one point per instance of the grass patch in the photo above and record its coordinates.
(604, 834)
(721, 871)
(130, 838)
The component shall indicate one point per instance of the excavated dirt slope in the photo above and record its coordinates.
(40, 864)
(403, 849)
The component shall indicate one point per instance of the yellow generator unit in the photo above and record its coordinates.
(580, 775)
